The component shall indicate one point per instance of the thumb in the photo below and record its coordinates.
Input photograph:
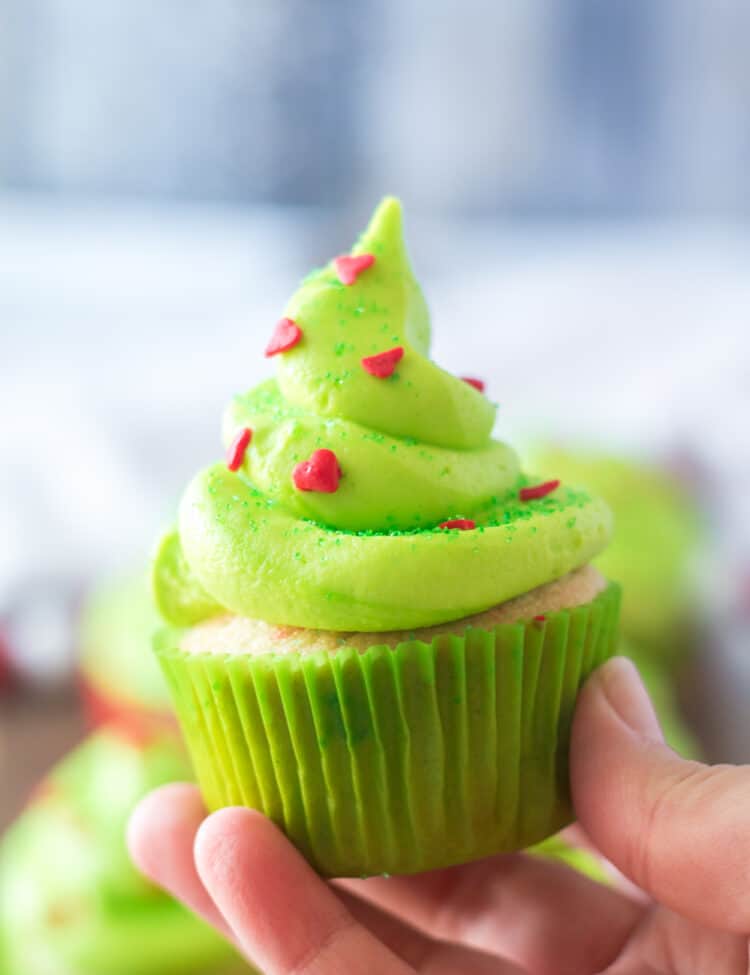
(679, 829)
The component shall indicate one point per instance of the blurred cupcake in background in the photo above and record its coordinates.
(121, 683)
(658, 535)
(71, 903)
(662, 690)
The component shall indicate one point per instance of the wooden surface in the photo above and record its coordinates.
(35, 731)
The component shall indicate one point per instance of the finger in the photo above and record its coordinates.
(679, 829)
(523, 908)
(283, 915)
(288, 920)
(426, 955)
(160, 837)
(666, 942)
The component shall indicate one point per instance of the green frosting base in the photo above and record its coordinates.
(257, 560)
(71, 902)
(397, 760)
(414, 450)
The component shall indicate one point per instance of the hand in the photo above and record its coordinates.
(678, 830)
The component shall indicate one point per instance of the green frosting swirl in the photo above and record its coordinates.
(414, 450)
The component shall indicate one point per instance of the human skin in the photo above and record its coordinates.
(678, 830)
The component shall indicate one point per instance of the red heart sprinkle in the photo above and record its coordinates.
(476, 383)
(237, 448)
(462, 524)
(285, 336)
(350, 267)
(540, 619)
(383, 364)
(538, 491)
(321, 473)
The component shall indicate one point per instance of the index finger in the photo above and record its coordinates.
(290, 922)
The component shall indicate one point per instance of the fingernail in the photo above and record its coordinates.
(623, 688)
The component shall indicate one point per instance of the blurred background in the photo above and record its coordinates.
(576, 178)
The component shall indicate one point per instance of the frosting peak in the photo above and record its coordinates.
(358, 453)
(382, 308)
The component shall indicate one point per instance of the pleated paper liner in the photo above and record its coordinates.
(397, 760)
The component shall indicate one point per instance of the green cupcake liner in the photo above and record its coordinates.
(397, 760)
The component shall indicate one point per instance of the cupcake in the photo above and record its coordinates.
(654, 549)
(377, 624)
(71, 903)
(120, 681)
